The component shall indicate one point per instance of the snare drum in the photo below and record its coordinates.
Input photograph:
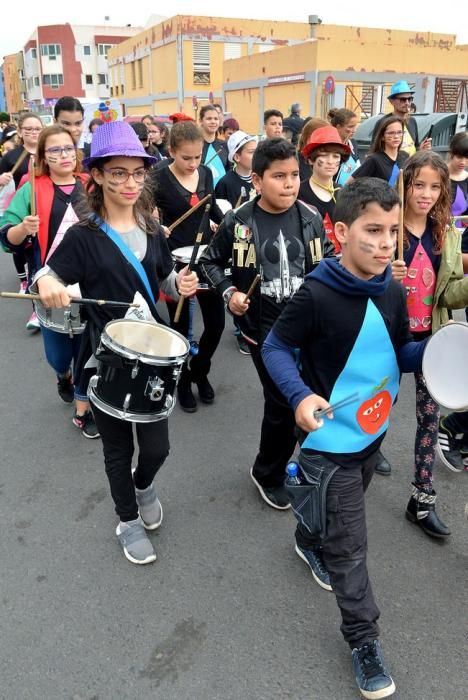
(445, 366)
(139, 365)
(182, 256)
(67, 320)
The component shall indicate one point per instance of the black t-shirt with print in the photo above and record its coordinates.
(307, 195)
(8, 161)
(380, 165)
(281, 260)
(232, 186)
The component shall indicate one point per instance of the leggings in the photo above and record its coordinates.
(427, 416)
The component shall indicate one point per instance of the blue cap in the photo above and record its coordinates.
(399, 88)
(292, 469)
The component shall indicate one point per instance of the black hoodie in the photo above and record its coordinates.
(353, 336)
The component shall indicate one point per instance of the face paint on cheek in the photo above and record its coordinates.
(52, 160)
(111, 189)
(320, 162)
(367, 247)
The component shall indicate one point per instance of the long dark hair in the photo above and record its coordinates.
(142, 209)
(377, 145)
(440, 212)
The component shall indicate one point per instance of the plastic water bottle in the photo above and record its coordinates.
(292, 474)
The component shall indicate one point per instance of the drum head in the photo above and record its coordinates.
(184, 254)
(148, 340)
(445, 366)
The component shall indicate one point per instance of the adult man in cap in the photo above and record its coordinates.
(401, 98)
(294, 122)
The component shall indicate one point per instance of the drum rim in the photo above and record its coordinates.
(130, 417)
(129, 354)
(202, 249)
(39, 306)
(436, 398)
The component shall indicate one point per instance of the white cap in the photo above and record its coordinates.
(236, 141)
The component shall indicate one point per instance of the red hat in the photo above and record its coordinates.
(180, 117)
(325, 136)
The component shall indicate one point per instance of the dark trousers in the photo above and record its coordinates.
(344, 551)
(19, 261)
(427, 417)
(117, 443)
(212, 310)
(458, 423)
(277, 438)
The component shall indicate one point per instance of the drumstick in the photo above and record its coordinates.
(216, 153)
(32, 180)
(339, 404)
(74, 300)
(189, 212)
(241, 196)
(193, 259)
(460, 218)
(21, 157)
(401, 194)
(252, 288)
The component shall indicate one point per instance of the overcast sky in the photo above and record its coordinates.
(449, 16)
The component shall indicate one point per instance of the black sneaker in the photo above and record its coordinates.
(186, 398)
(373, 679)
(313, 558)
(449, 446)
(65, 389)
(242, 344)
(275, 496)
(205, 390)
(383, 466)
(86, 424)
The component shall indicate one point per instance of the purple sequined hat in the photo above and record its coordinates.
(116, 139)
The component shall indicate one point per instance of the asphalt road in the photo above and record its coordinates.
(228, 611)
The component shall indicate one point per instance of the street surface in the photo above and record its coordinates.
(228, 611)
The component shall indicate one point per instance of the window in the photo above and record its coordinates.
(201, 62)
(232, 51)
(88, 79)
(87, 50)
(50, 50)
(102, 78)
(103, 49)
(36, 82)
(121, 89)
(33, 53)
(112, 92)
(133, 75)
(140, 72)
(116, 90)
(53, 80)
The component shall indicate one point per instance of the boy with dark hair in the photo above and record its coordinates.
(69, 113)
(281, 240)
(273, 123)
(350, 323)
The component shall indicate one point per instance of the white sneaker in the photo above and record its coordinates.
(135, 543)
(33, 323)
(23, 287)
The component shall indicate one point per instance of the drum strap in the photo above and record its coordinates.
(128, 255)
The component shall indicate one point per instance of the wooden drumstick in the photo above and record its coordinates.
(401, 194)
(252, 288)
(193, 259)
(20, 159)
(189, 212)
(241, 196)
(32, 181)
(74, 300)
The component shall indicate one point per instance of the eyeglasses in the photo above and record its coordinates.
(32, 129)
(405, 99)
(58, 150)
(121, 176)
(394, 133)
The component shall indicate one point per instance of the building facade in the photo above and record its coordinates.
(177, 65)
(65, 59)
(351, 67)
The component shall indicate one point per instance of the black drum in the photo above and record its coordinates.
(139, 364)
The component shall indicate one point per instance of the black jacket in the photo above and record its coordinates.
(241, 247)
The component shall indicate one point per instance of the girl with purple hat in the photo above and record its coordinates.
(119, 252)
